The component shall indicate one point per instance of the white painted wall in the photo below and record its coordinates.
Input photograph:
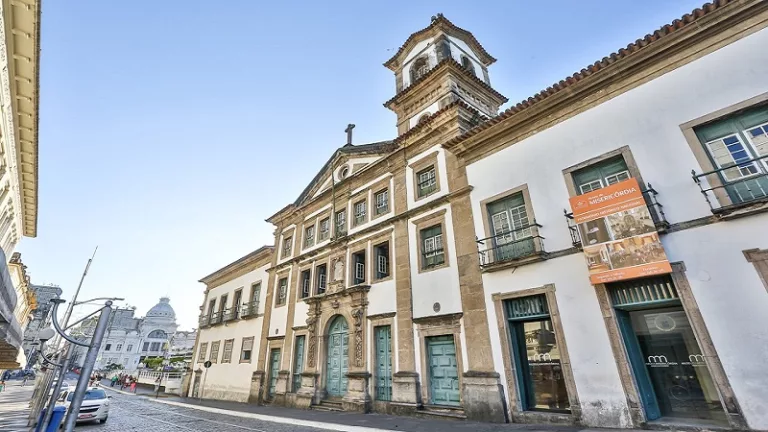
(413, 121)
(459, 48)
(647, 119)
(440, 285)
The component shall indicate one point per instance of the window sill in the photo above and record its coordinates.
(418, 197)
(537, 256)
(735, 211)
(384, 279)
(433, 268)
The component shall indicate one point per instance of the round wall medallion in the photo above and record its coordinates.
(436, 307)
(664, 323)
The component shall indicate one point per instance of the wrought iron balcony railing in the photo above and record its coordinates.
(215, 318)
(204, 321)
(514, 245)
(743, 183)
(249, 310)
(231, 314)
(655, 208)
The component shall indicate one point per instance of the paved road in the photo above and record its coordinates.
(131, 413)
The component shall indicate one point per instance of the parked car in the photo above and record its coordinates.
(64, 387)
(95, 406)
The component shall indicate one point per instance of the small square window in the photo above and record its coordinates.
(427, 181)
(381, 199)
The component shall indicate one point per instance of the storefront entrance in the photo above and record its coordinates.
(671, 373)
(338, 357)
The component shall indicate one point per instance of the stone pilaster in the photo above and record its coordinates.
(282, 386)
(308, 393)
(483, 398)
(358, 396)
(256, 393)
(405, 383)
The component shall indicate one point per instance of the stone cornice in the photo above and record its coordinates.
(258, 258)
(19, 95)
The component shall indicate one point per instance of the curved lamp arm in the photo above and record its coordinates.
(56, 303)
(47, 360)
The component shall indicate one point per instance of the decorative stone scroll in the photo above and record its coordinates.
(311, 327)
(357, 315)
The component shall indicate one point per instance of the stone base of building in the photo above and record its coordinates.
(483, 397)
(307, 394)
(406, 388)
(358, 397)
(256, 394)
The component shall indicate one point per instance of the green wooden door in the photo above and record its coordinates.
(274, 367)
(383, 363)
(443, 372)
(298, 362)
(338, 353)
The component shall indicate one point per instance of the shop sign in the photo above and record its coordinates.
(618, 235)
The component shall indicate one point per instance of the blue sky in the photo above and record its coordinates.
(169, 130)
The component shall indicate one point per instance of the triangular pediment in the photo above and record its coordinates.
(345, 162)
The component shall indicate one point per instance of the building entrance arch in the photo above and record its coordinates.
(337, 363)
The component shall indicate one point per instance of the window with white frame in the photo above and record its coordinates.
(309, 236)
(427, 181)
(119, 347)
(129, 348)
(287, 244)
(246, 350)
(214, 357)
(360, 211)
(381, 256)
(322, 275)
(432, 251)
(325, 229)
(509, 219)
(381, 199)
(358, 261)
(282, 291)
(341, 223)
(202, 352)
(306, 282)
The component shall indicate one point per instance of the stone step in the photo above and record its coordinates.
(439, 411)
(328, 405)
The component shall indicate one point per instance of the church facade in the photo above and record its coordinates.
(442, 273)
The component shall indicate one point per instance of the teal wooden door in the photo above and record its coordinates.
(337, 365)
(274, 367)
(443, 372)
(637, 363)
(298, 362)
(383, 337)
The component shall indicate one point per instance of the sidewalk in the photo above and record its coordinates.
(317, 419)
(14, 406)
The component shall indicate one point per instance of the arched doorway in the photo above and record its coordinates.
(338, 354)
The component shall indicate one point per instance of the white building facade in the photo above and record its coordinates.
(685, 347)
(230, 329)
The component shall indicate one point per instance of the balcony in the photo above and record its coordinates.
(735, 187)
(215, 318)
(512, 249)
(204, 321)
(655, 208)
(249, 310)
(230, 314)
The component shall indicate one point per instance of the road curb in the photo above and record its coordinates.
(281, 420)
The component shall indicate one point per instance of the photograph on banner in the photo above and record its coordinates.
(618, 234)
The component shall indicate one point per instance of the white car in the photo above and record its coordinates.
(64, 387)
(95, 404)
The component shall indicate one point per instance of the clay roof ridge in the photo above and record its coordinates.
(439, 65)
(591, 69)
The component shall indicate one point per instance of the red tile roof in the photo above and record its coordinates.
(441, 21)
(612, 58)
(439, 66)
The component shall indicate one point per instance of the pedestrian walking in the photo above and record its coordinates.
(114, 380)
(24, 381)
(133, 385)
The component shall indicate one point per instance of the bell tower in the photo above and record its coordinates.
(437, 66)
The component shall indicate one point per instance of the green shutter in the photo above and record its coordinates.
(643, 292)
(525, 308)
(599, 171)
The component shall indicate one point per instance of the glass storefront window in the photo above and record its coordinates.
(677, 370)
(536, 356)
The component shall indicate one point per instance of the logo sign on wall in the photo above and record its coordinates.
(618, 234)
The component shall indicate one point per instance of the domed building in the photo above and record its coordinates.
(129, 340)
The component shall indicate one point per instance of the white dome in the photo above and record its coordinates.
(162, 309)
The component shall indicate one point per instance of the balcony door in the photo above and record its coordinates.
(512, 236)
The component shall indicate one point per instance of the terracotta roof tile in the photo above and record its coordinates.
(440, 20)
(622, 53)
(439, 66)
